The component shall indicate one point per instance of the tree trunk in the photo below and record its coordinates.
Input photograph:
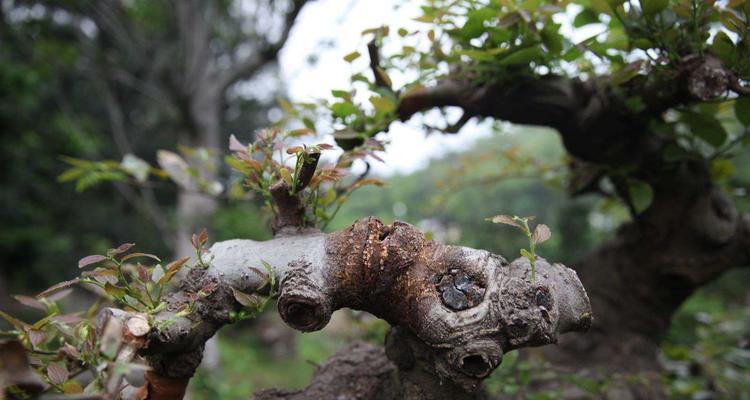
(688, 237)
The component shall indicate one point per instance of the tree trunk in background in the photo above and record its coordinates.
(636, 282)
(195, 210)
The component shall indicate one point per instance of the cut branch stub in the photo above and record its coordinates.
(304, 302)
(290, 211)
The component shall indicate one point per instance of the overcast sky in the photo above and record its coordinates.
(341, 22)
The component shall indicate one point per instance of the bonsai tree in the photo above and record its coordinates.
(651, 110)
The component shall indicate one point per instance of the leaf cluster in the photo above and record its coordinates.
(273, 158)
(540, 234)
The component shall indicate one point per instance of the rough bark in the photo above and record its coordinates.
(458, 309)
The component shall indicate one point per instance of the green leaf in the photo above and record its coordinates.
(351, 56)
(473, 27)
(383, 76)
(72, 387)
(114, 291)
(522, 56)
(309, 124)
(252, 301)
(732, 20)
(706, 127)
(344, 109)
(286, 176)
(286, 106)
(552, 40)
(585, 17)
(742, 110)
(642, 43)
(270, 271)
(653, 7)
(383, 104)
(723, 46)
(525, 253)
(341, 94)
(641, 195)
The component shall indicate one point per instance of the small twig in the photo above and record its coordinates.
(374, 52)
(363, 175)
(455, 127)
(738, 88)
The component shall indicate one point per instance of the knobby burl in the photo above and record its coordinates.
(468, 306)
(457, 310)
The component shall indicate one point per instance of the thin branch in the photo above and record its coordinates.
(253, 63)
(377, 70)
(194, 38)
(738, 87)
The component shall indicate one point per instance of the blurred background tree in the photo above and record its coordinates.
(112, 80)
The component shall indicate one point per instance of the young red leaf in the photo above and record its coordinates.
(36, 337)
(70, 351)
(89, 260)
(57, 373)
(122, 248)
(143, 273)
(504, 219)
(199, 239)
(369, 181)
(68, 319)
(58, 287)
(172, 269)
(29, 301)
(236, 145)
(248, 300)
(177, 264)
(102, 275)
(541, 234)
(134, 255)
(324, 146)
(59, 295)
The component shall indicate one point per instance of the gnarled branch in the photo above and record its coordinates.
(467, 306)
